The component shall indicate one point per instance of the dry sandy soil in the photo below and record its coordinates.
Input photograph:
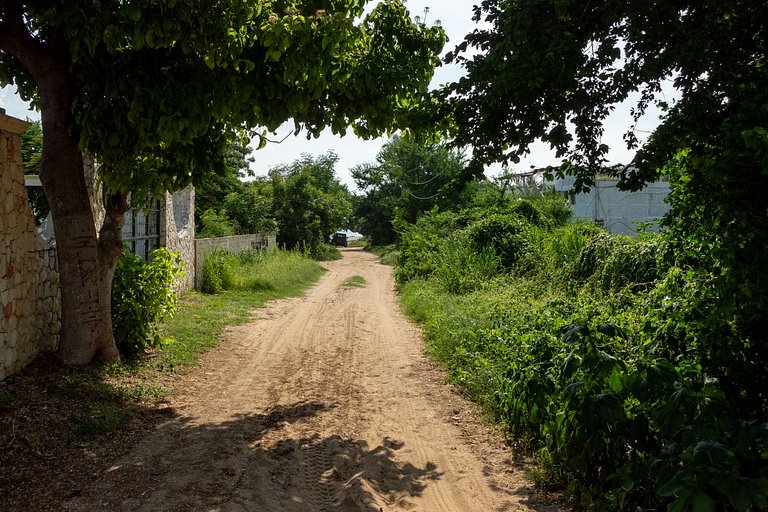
(322, 403)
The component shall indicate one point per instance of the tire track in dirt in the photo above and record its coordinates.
(323, 403)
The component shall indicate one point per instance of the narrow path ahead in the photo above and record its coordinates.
(322, 403)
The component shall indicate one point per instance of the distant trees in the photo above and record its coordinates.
(302, 202)
(309, 203)
(408, 178)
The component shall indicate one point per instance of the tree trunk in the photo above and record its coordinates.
(86, 264)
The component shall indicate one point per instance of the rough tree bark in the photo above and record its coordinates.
(86, 261)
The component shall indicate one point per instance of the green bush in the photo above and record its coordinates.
(625, 369)
(142, 296)
(325, 252)
(504, 234)
(616, 420)
(615, 261)
(555, 208)
(388, 254)
(219, 270)
(553, 252)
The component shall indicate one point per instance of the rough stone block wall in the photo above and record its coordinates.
(177, 230)
(30, 303)
(233, 244)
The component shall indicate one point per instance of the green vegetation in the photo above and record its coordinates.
(302, 202)
(388, 254)
(108, 396)
(98, 419)
(309, 203)
(326, 252)
(633, 368)
(31, 152)
(249, 280)
(158, 104)
(354, 282)
(142, 296)
(595, 353)
(214, 224)
(251, 271)
(409, 177)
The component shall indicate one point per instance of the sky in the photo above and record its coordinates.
(455, 17)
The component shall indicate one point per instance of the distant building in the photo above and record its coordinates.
(615, 210)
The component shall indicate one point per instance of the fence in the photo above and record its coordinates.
(234, 244)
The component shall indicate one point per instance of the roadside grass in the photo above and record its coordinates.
(388, 254)
(252, 279)
(355, 282)
(326, 252)
(359, 242)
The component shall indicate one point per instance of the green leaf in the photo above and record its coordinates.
(703, 503)
(133, 12)
(612, 330)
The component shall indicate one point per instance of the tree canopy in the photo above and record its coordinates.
(156, 90)
(554, 70)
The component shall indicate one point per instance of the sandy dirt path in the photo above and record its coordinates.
(322, 403)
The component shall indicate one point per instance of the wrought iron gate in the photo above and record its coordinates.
(141, 229)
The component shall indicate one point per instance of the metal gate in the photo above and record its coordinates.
(141, 229)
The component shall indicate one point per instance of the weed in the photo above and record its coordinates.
(147, 392)
(98, 419)
(256, 278)
(326, 252)
(354, 282)
(388, 254)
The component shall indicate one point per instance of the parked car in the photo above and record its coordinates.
(339, 239)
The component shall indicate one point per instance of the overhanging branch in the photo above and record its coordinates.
(15, 38)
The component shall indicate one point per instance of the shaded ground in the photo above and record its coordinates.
(323, 403)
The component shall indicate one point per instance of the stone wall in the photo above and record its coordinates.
(233, 244)
(177, 230)
(30, 303)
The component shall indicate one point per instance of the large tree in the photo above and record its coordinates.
(155, 90)
(308, 202)
(555, 69)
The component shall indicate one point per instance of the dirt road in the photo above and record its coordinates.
(323, 403)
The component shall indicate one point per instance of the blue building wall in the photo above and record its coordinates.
(615, 210)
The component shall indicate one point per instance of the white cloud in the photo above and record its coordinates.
(14, 106)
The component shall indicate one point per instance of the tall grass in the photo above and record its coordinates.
(388, 254)
(593, 354)
(255, 271)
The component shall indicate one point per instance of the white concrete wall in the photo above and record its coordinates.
(617, 210)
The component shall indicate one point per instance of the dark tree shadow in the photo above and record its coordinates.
(255, 462)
